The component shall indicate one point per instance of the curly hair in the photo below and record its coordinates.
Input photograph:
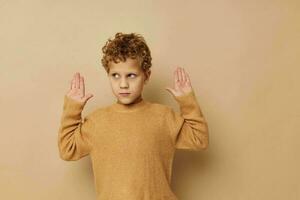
(125, 46)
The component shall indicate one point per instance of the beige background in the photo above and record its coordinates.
(242, 60)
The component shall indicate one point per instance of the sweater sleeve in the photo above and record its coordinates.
(74, 135)
(189, 128)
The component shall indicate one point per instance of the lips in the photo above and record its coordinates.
(124, 94)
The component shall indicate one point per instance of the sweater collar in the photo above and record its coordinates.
(134, 106)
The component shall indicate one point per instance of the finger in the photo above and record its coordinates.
(183, 75)
(73, 83)
(77, 81)
(82, 85)
(170, 90)
(188, 80)
(75, 76)
(179, 74)
(88, 96)
(80, 82)
(174, 77)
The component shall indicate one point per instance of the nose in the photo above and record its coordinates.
(123, 83)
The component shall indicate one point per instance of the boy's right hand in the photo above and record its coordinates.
(77, 90)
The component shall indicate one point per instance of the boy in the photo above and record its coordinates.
(131, 142)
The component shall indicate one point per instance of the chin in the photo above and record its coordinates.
(125, 101)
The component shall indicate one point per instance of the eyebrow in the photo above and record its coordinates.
(128, 72)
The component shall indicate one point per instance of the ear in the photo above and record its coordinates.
(147, 74)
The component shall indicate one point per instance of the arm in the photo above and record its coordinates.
(189, 129)
(74, 135)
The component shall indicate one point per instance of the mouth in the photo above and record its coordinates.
(124, 94)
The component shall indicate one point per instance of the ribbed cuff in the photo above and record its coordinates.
(186, 98)
(70, 103)
(188, 103)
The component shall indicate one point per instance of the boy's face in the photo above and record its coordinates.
(127, 77)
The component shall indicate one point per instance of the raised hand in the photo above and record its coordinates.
(77, 90)
(182, 84)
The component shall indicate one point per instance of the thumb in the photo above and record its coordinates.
(88, 96)
(170, 90)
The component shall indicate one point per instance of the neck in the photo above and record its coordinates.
(138, 104)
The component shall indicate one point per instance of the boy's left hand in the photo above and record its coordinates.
(182, 83)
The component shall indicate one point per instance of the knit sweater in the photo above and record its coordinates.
(132, 146)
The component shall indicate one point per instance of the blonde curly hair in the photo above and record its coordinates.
(125, 46)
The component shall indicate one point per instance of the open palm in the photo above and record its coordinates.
(77, 89)
(182, 84)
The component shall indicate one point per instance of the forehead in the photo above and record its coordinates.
(128, 66)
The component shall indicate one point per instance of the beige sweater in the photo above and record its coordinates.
(132, 147)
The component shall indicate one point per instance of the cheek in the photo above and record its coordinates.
(137, 83)
(113, 84)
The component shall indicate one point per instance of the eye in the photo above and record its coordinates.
(130, 75)
(134, 75)
(114, 74)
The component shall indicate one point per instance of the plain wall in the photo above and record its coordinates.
(243, 61)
